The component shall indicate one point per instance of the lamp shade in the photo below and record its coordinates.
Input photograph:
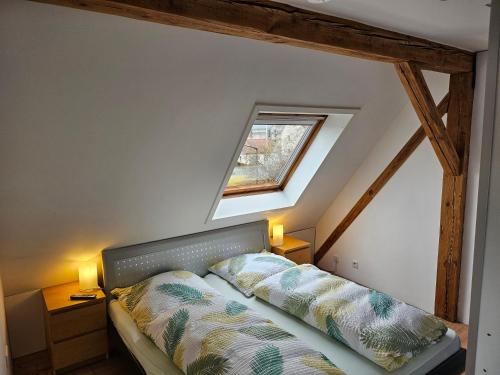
(278, 235)
(87, 275)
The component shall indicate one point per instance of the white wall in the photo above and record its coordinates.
(395, 239)
(472, 188)
(116, 131)
(26, 323)
(488, 345)
(484, 334)
(5, 365)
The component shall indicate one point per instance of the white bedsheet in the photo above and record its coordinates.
(155, 362)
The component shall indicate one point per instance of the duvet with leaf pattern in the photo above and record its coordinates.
(205, 334)
(379, 327)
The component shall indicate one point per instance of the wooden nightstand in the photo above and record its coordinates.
(294, 249)
(76, 330)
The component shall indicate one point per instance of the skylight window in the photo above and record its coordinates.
(273, 149)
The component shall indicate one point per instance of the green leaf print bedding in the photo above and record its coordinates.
(246, 270)
(205, 334)
(379, 327)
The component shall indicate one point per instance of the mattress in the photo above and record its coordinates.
(156, 362)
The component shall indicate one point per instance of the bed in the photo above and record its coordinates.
(195, 253)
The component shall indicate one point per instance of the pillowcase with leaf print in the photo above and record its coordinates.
(245, 271)
(201, 332)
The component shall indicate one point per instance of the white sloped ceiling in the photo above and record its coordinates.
(460, 23)
(116, 131)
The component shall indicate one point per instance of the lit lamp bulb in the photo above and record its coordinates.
(278, 235)
(87, 275)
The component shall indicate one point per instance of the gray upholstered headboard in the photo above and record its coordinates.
(195, 252)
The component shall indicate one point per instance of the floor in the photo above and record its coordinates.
(462, 331)
(120, 364)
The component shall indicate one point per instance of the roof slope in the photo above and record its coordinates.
(116, 131)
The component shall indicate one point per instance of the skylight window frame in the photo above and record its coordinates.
(295, 158)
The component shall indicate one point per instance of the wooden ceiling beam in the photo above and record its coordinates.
(378, 184)
(279, 23)
(420, 96)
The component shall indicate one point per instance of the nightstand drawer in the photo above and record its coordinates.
(71, 323)
(301, 256)
(82, 348)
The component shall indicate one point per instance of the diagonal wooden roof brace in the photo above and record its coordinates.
(416, 139)
(451, 144)
(420, 96)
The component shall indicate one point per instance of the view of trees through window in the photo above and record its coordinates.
(269, 151)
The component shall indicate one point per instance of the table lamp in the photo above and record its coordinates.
(278, 235)
(87, 275)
